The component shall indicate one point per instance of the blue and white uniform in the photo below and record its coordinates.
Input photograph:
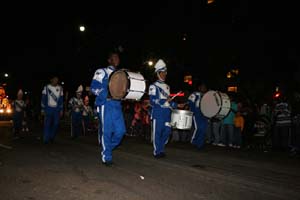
(111, 126)
(52, 105)
(160, 115)
(199, 121)
(19, 111)
(76, 106)
(159, 92)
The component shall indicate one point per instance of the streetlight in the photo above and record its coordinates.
(6, 75)
(82, 28)
(150, 63)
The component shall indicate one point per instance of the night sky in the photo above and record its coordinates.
(256, 37)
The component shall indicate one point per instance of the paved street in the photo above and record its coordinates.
(72, 170)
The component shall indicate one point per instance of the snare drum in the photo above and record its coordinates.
(126, 85)
(215, 104)
(182, 119)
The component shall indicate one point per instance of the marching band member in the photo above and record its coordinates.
(111, 121)
(160, 101)
(76, 106)
(87, 114)
(19, 112)
(52, 108)
(199, 121)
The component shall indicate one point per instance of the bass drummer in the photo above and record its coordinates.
(199, 121)
(161, 104)
(111, 121)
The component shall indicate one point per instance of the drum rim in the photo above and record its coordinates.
(229, 106)
(185, 129)
(128, 83)
(183, 111)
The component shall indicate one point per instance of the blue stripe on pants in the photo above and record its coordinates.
(161, 134)
(200, 125)
(112, 128)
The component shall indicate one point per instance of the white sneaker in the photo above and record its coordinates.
(221, 145)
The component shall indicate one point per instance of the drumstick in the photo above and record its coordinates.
(171, 100)
(178, 93)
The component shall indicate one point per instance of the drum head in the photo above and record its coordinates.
(118, 84)
(210, 104)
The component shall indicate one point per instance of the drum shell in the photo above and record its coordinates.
(137, 86)
(182, 119)
(131, 85)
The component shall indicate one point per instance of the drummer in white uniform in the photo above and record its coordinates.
(76, 107)
(161, 104)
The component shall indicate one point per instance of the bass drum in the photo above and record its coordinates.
(124, 84)
(215, 104)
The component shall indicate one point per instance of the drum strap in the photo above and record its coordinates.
(19, 105)
(52, 95)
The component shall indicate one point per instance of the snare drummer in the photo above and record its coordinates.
(160, 102)
(199, 121)
(111, 121)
